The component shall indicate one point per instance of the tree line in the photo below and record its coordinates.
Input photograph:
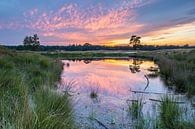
(97, 47)
(33, 43)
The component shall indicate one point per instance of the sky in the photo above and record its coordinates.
(100, 22)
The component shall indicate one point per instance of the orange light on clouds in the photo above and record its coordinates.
(176, 35)
(111, 24)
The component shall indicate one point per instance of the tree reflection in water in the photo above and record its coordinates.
(87, 61)
(135, 66)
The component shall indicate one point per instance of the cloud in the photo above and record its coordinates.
(31, 12)
(93, 24)
(180, 35)
(160, 38)
(191, 12)
(173, 23)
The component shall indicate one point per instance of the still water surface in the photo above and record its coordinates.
(113, 80)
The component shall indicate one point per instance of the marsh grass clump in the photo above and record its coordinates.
(166, 67)
(93, 94)
(44, 63)
(27, 96)
(171, 116)
(135, 108)
(170, 113)
(178, 69)
(53, 110)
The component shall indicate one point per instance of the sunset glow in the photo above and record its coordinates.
(103, 22)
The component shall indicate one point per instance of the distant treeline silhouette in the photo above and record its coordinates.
(87, 47)
(32, 43)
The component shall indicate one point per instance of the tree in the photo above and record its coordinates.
(87, 44)
(26, 41)
(31, 42)
(135, 41)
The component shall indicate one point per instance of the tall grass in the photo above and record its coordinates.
(169, 113)
(135, 108)
(52, 111)
(27, 96)
(178, 69)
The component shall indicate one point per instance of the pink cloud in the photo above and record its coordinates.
(96, 24)
(31, 13)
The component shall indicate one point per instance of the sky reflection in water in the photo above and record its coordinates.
(113, 80)
(111, 77)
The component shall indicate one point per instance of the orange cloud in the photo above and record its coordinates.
(90, 26)
(180, 34)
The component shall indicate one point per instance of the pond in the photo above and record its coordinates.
(102, 89)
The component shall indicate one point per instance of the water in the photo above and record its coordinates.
(113, 81)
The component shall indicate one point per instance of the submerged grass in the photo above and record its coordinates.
(28, 99)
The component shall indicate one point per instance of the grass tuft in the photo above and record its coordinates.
(28, 99)
(135, 108)
(169, 112)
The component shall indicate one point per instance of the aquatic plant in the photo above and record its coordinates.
(94, 92)
(169, 112)
(171, 116)
(135, 108)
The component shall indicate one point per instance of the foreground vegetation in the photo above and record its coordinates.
(171, 115)
(27, 96)
(29, 99)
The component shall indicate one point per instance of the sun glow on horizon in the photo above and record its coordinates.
(97, 23)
